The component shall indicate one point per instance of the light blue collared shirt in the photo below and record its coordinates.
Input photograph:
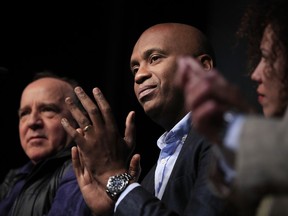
(170, 144)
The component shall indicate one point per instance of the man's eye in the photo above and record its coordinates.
(48, 109)
(154, 58)
(23, 113)
(134, 70)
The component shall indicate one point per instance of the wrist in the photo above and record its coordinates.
(229, 118)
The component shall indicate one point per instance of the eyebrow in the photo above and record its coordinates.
(146, 54)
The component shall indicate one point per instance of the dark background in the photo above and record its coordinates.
(92, 43)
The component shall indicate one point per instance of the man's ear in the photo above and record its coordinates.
(206, 61)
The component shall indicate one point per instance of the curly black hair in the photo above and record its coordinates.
(257, 16)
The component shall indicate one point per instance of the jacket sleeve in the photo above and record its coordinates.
(141, 202)
(261, 161)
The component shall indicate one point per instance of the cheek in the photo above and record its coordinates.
(58, 136)
(53, 127)
(271, 84)
(275, 86)
(22, 133)
(135, 89)
(57, 130)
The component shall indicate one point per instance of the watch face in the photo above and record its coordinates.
(116, 184)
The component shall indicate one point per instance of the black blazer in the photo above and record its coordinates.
(186, 193)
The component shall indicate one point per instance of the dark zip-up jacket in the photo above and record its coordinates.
(48, 188)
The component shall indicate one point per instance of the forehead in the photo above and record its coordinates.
(153, 39)
(267, 39)
(171, 40)
(46, 90)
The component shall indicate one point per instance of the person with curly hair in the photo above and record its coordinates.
(252, 170)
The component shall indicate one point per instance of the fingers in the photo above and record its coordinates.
(77, 114)
(209, 114)
(130, 130)
(76, 161)
(90, 107)
(189, 71)
(209, 86)
(77, 135)
(100, 113)
(105, 109)
(181, 73)
(80, 131)
(135, 167)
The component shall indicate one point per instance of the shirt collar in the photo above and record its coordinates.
(179, 131)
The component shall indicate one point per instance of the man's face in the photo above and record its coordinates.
(41, 108)
(153, 64)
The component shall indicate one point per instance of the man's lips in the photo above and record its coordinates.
(36, 138)
(145, 91)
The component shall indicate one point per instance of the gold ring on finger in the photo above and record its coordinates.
(87, 127)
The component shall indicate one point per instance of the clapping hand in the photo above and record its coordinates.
(101, 151)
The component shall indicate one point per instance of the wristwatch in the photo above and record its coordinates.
(117, 184)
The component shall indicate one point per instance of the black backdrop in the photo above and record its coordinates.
(92, 43)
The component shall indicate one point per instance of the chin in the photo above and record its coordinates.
(35, 158)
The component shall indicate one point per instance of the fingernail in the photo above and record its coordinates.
(64, 122)
(96, 91)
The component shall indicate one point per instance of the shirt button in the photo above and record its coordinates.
(163, 161)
